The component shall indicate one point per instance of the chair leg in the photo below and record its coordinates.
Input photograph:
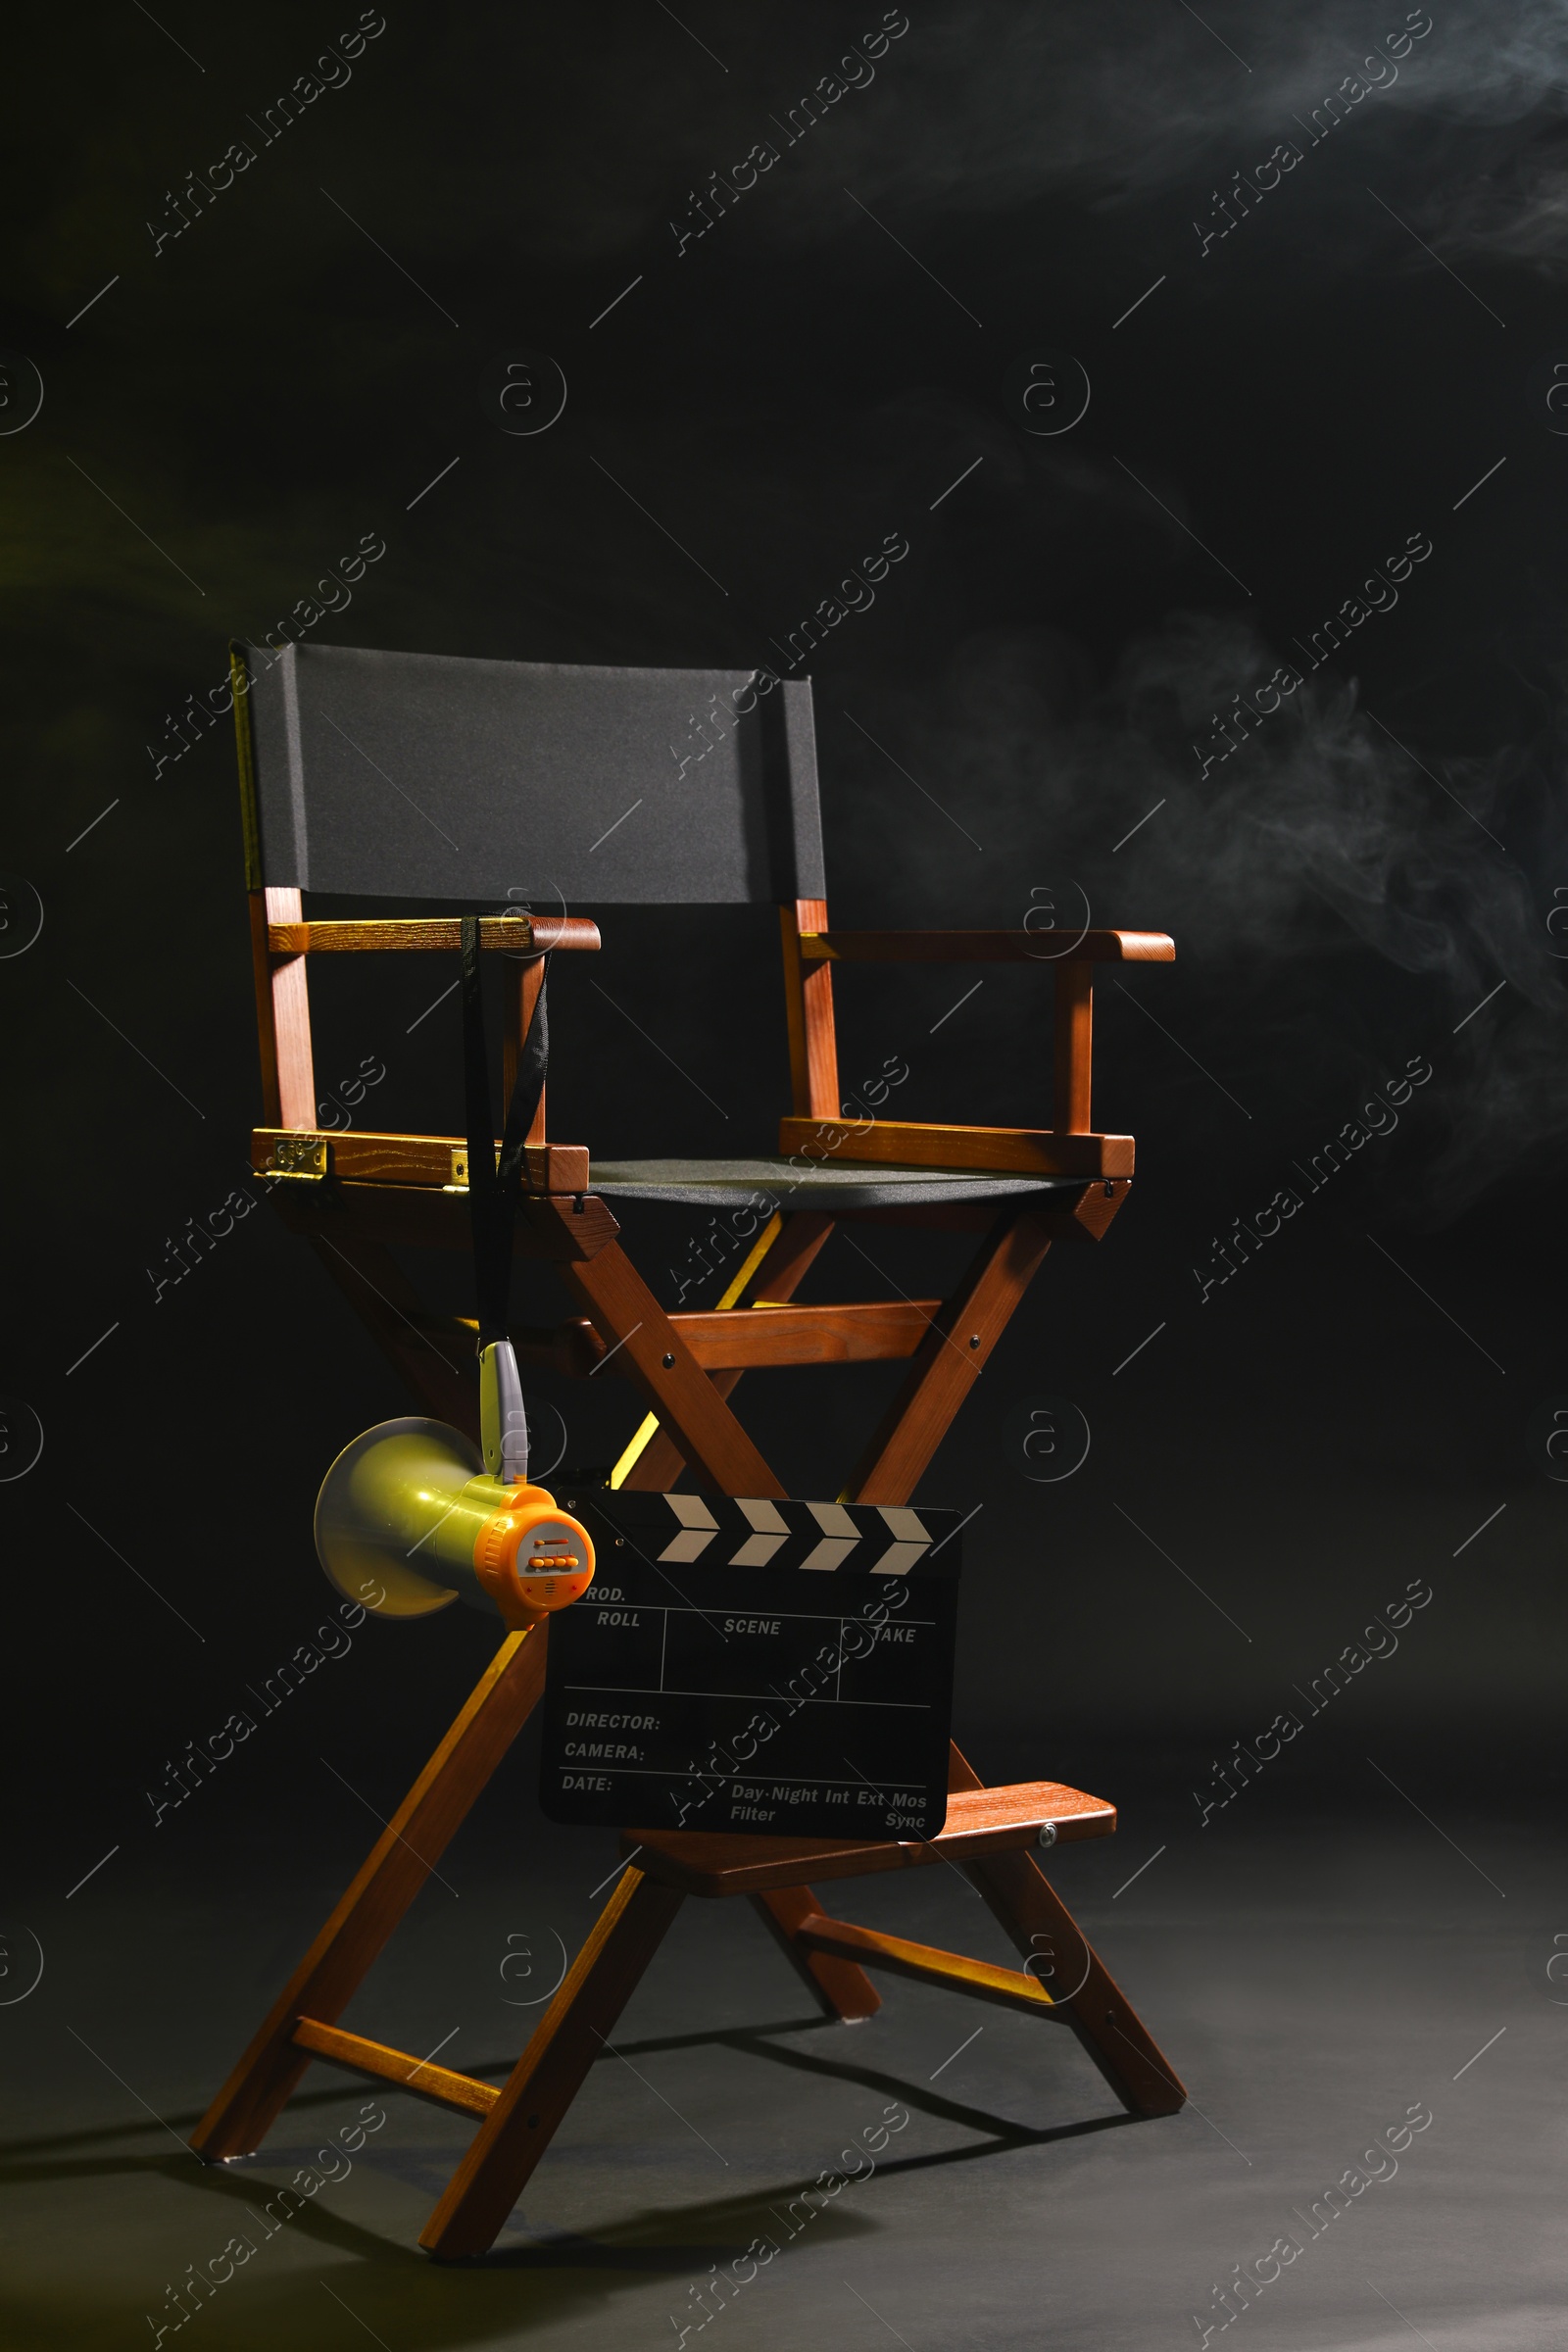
(778, 1276)
(949, 1358)
(658, 1466)
(1011, 1884)
(841, 1989)
(398, 1863)
(547, 2077)
(627, 1315)
(1021, 1898)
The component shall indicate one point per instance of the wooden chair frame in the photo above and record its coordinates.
(353, 1195)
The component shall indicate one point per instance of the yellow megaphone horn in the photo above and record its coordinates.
(413, 1508)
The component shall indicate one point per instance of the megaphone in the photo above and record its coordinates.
(413, 1508)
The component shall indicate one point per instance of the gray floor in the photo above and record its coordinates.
(1311, 1981)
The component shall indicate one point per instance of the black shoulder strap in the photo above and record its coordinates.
(493, 1191)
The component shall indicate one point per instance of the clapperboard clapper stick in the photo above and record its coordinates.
(781, 1667)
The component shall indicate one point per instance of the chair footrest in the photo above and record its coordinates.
(464, 2092)
(1009, 1987)
(980, 1822)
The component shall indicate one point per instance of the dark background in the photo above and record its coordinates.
(1327, 380)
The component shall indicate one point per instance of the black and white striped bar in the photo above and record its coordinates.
(720, 1530)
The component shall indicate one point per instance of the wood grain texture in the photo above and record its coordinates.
(419, 2075)
(521, 934)
(398, 1865)
(573, 2031)
(979, 1821)
(1073, 1060)
(291, 1021)
(632, 1321)
(366, 1156)
(808, 1010)
(878, 1330)
(564, 1229)
(1045, 947)
(995, 1150)
(1041, 1927)
(768, 1334)
(840, 1988)
(1007, 1988)
(780, 1275)
(950, 1359)
(801, 1241)
(659, 1467)
(1093, 1208)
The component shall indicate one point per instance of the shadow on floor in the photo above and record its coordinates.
(393, 2288)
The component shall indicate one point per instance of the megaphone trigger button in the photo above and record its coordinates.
(530, 1557)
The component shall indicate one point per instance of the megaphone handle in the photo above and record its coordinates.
(503, 1422)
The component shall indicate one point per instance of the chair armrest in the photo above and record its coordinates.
(983, 1150)
(524, 933)
(1070, 1147)
(987, 947)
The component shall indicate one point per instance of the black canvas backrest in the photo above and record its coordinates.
(420, 776)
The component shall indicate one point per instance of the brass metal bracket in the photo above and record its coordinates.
(460, 1168)
(302, 1157)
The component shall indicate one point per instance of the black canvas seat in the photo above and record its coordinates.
(779, 1184)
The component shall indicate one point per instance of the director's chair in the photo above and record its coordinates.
(408, 776)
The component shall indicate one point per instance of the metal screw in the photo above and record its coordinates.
(974, 1339)
(669, 1363)
(1047, 1833)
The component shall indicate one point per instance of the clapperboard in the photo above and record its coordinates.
(755, 1668)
